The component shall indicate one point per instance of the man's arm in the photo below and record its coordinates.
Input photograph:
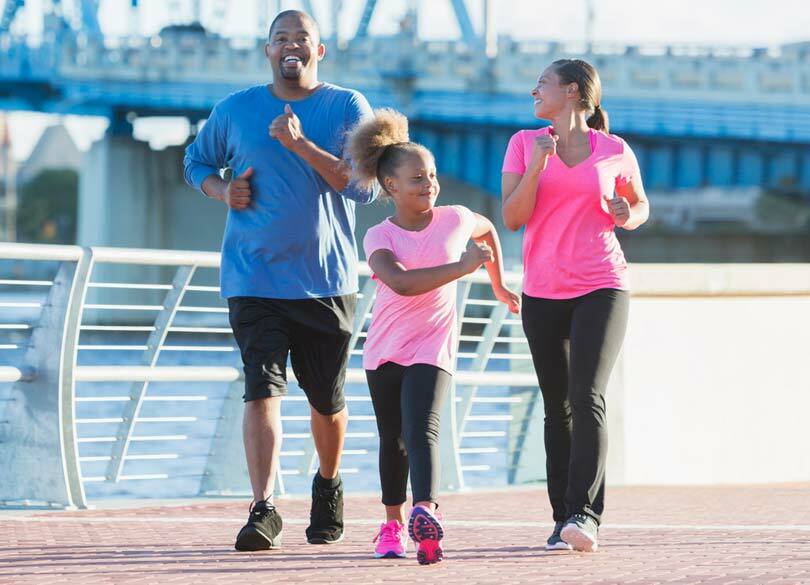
(332, 169)
(286, 128)
(206, 155)
(235, 193)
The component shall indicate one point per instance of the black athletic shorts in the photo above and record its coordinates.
(314, 332)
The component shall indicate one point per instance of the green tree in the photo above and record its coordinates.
(48, 208)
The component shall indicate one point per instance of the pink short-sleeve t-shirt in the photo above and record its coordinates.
(570, 247)
(417, 329)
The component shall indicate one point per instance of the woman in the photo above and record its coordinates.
(570, 185)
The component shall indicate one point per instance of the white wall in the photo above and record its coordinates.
(713, 385)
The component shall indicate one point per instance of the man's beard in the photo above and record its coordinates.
(297, 74)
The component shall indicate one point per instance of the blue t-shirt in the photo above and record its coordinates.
(296, 240)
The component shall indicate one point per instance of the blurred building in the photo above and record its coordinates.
(55, 150)
(722, 134)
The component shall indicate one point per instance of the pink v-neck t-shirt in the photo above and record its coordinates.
(569, 247)
(419, 329)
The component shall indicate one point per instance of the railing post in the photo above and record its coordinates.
(38, 444)
(526, 449)
(484, 349)
(449, 435)
(138, 390)
(526, 438)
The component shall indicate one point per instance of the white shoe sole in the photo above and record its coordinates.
(559, 546)
(578, 539)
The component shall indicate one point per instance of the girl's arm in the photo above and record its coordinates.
(485, 233)
(421, 280)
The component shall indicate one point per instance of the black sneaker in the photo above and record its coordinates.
(555, 541)
(581, 532)
(263, 529)
(326, 515)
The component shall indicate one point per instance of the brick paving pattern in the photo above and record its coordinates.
(753, 535)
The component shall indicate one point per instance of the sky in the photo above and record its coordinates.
(703, 22)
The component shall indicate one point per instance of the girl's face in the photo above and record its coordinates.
(414, 187)
(550, 96)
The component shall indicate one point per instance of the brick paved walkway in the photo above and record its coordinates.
(723, 535)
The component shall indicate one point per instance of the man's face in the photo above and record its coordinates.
(294, 48)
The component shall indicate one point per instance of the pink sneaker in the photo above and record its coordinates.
(426, 530)
(391, 541)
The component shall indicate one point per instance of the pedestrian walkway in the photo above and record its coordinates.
(716, 535)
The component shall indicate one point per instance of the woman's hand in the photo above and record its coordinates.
(619, 209)
(544, 146)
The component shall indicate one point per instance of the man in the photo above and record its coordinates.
(289, 260)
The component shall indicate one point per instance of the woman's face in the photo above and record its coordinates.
(414, 187)
(550, 95)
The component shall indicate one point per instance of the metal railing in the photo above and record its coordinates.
(118, 368)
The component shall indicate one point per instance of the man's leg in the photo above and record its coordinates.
(319, 356)
(262, 435)
(260, 330)
(326, 513)
(329, 433)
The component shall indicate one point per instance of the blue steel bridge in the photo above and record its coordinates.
(696, 116)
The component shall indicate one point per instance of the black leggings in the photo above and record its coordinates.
(407, 402)
(574, 344)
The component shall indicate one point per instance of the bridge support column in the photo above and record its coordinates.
(133, 196)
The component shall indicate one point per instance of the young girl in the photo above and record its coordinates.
(560, 182)
(416, 256)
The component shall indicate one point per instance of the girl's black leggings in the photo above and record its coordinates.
(407, 403)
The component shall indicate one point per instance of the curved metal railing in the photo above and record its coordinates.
(118, 368)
